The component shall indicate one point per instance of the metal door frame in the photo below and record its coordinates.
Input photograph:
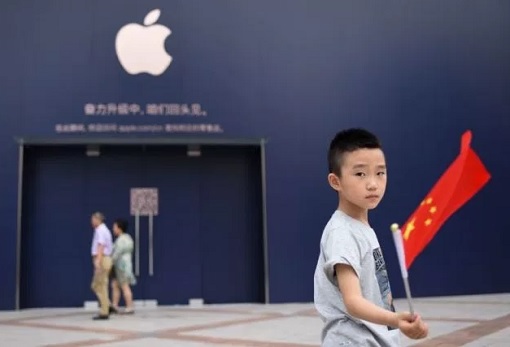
(70, 141)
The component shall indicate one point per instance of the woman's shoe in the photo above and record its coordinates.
(129, 311)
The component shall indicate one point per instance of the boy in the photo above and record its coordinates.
(351, 286)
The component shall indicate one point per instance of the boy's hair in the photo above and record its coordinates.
(347, 141)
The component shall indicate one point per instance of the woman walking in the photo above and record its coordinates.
(122, 271)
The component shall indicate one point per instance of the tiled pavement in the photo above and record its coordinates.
(471, 321)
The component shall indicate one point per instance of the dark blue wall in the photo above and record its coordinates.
(419, 74)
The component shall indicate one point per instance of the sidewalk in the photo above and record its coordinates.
(471, 321)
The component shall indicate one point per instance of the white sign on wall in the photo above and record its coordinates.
(144, 201)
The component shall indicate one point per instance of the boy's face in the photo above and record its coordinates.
(363, 178)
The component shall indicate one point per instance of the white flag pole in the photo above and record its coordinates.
(399, 245)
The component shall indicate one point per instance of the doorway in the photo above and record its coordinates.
(207, 241)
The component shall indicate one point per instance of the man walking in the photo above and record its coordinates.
(101, 258)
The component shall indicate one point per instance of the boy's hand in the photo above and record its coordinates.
(412, 326)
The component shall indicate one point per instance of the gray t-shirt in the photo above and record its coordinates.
(346, 240)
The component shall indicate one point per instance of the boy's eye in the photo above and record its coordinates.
(381, 173)
(361, 174)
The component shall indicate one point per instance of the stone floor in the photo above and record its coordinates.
(471, 321)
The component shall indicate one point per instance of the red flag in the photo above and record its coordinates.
(459, 183)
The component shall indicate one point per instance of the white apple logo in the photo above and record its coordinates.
(141, 48)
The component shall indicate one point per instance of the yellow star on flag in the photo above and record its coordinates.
(409, 229)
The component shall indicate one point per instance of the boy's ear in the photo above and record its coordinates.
(334, 182)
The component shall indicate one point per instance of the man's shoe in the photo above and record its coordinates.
(101, 317)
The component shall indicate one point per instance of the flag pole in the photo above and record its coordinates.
(399, 245)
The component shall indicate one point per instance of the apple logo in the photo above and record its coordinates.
(141, 48)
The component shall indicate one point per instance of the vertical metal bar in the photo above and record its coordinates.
(18, 227)
(151, 244)
(264, 219)
(137, 243)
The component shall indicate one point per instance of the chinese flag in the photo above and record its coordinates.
(459, 183)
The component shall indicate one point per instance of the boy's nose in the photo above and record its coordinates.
(371, 185)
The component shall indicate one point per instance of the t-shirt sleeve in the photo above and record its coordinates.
(102, 237)
(342, 247)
